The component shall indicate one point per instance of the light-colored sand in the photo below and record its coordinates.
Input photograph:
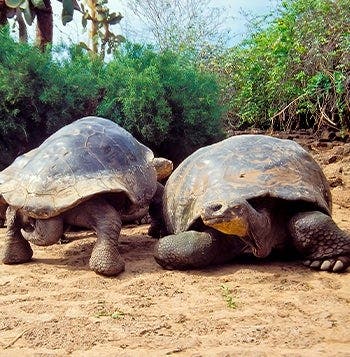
(56, 306)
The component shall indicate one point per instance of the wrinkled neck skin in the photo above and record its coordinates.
(266, 229)
(260, 237)
(42, 232)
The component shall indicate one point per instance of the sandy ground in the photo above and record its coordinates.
(56, 306)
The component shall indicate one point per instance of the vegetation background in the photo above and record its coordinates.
(292, 71)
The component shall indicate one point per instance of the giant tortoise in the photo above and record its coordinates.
(250, 194)
(91, 173)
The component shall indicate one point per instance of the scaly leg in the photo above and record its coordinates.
(192, 249)
(100, 216)
(17, 249)
(324, 245)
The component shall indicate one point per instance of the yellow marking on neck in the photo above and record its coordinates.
(237, 227)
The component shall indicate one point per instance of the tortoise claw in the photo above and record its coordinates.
(332, 265)
(326, 265)
(315, 264)
(341, 263)
(338, 266)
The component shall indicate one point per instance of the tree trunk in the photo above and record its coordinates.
(22, 27)
(3, 10)
(44, 29)
(94, 28)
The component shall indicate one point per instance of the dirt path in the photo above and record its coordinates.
(55, 306)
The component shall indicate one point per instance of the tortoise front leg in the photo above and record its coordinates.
(194, 249)
(17, 249)
(324, 245)
(99, 215)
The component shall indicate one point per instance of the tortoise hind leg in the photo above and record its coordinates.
(324, 245)
(99, 215)
(17, 249)
(192, 249)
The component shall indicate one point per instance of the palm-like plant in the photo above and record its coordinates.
(42, 10)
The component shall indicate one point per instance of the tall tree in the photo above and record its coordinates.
(195, 25)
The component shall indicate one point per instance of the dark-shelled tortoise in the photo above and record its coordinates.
(250, 194)
(91, 173)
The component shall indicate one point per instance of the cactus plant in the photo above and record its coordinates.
(36, 8)
(100, 17)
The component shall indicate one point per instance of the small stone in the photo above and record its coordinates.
(336, 181)
(333, 159)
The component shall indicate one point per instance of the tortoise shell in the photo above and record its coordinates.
(88, 157)
(242, 168)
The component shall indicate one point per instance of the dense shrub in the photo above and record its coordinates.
(295, 72)
(39, 95)
(160, 97)
(163, 99)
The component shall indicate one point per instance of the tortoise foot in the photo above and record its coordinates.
(324, 245)
(106, 260)
(184, 250)
(16, 251)
(333, 265)
(193, 249)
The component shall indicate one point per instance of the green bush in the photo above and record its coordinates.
(39, 95)
(161, 98)
(295, 71)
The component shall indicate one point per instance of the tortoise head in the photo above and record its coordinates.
(243, 221)
(226, 218)
(164, 167)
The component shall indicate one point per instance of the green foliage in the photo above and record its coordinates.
(18, 65)
(163, 100)
(160, 97)
(294, 72)
(226, 293)
(40, 95)
(103, 311)
(67, 11)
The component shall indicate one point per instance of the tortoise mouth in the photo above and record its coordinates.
(236, 226)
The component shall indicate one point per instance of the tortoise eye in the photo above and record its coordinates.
(216, 207)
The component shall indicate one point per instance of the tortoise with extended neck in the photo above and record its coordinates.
(91, 173)
(250, 193)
